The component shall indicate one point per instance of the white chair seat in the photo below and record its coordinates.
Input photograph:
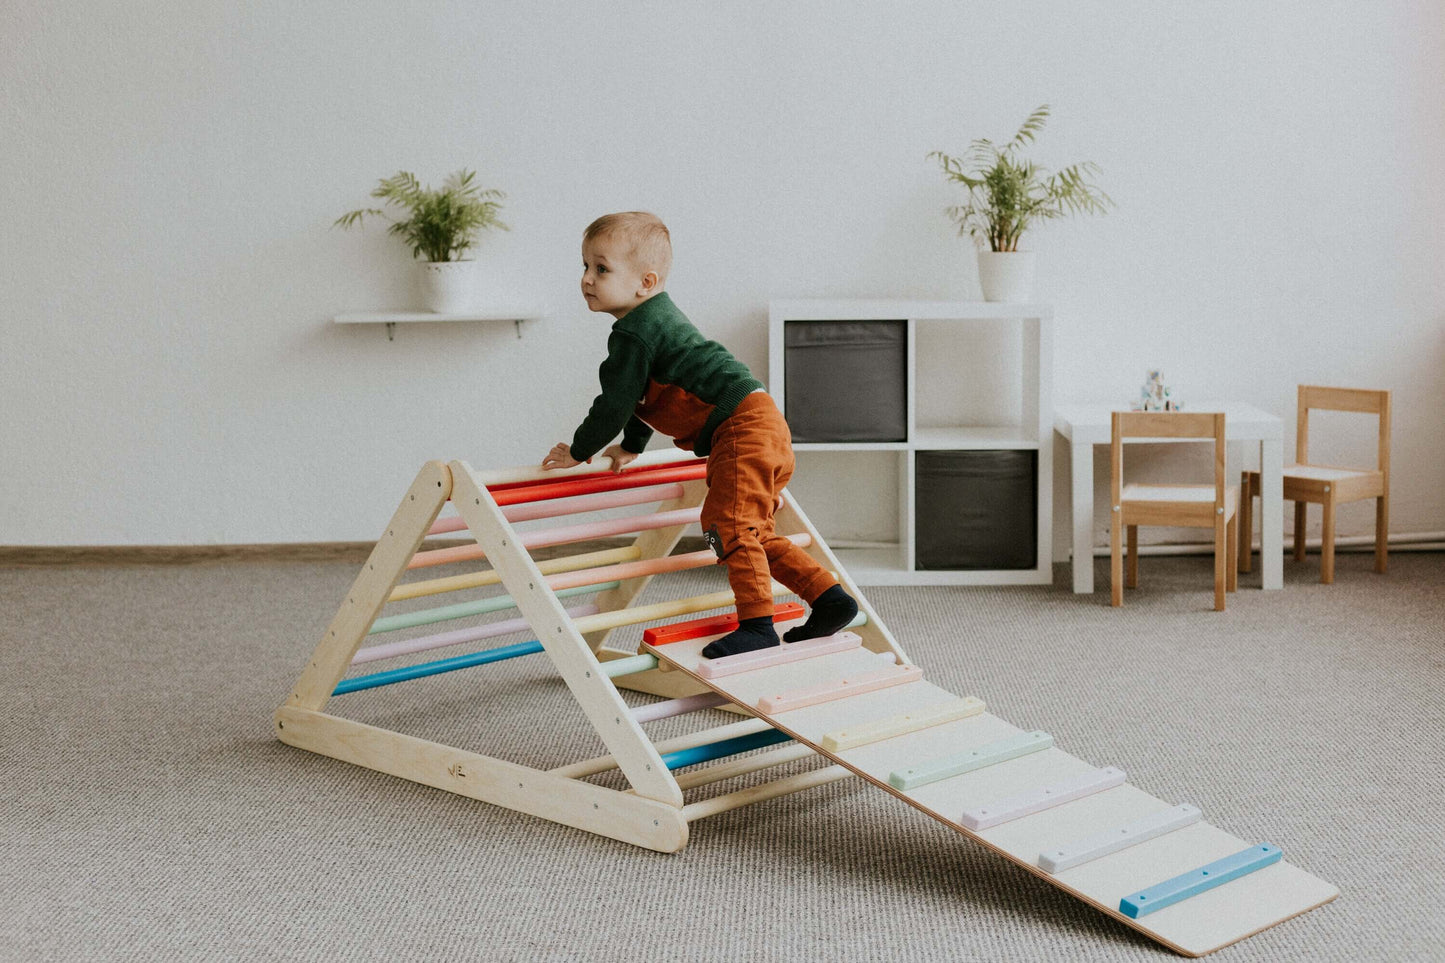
(1325, 473)
(1181, 493)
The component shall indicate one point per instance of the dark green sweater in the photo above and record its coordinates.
(660, 372)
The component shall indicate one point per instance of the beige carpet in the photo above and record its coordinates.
(147, 814)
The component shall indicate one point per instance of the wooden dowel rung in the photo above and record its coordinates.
(445, 613)
(637, 569)
(678, 707)
(562, 536)
(576, 505)
(768, 790)
(741, 767)
(661, 610)
(590, 767)
(650, 566)
(425, 669)
(425, 643)
(629, 665)
(512, 494)
(455, 583)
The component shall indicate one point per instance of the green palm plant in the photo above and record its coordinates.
(444, 224)
(1006, 194)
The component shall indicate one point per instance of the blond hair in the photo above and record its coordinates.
(649, 243)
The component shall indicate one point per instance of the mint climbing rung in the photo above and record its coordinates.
(1199, 880)
(988, 754)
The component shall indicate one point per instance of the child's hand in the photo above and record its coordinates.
(620, 457)
(560, 457)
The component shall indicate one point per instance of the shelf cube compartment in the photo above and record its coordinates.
(846, 381)
(975, 379)
(976, 510)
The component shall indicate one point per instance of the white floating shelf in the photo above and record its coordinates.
(392, 318)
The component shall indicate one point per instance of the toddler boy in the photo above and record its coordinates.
(661, 373)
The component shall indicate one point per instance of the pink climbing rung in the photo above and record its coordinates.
(561, 536)
(839, 689)
(778, 655)
(577, 504)
(648, 566)
(457, 636)
(677, 707)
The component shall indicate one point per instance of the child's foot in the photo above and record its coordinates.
(832, 610)
(750, 635)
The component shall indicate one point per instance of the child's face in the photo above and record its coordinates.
(611, 282)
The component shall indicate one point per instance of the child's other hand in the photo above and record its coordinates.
(620, 457)
(560, 457)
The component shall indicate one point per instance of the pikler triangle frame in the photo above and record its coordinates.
(853, 699)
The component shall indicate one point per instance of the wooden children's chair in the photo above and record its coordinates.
(1193, 506)
(1327, 485)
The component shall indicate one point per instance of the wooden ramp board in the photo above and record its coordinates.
(1195, 926)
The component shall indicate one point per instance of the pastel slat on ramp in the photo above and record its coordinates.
(1196, 926)
(777, 655)
(891, 727)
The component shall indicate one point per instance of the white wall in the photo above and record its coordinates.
(168, 368)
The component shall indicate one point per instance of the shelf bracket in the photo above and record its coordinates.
(518, 323)
(391, 330)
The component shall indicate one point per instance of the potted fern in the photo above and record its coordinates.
(1006, 194)
(442, 227)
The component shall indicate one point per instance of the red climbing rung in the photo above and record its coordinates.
(713, 625)
(514, 493)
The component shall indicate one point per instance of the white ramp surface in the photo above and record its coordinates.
(1098, 803)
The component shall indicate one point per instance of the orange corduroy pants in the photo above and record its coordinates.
(748, 465)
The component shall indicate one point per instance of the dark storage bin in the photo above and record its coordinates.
(976, 510)
(846, 380)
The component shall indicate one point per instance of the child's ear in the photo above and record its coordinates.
(649, 283)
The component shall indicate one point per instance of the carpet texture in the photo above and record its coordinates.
(146, 812)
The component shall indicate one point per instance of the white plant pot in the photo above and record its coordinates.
(1006, 275)
(448, 287)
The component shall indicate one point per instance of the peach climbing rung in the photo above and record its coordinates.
(649, 566)
(563, 535)
(527, 511)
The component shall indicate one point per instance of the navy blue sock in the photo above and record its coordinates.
(750, 635)
(831, 611)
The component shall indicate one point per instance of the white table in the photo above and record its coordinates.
(1085, 426)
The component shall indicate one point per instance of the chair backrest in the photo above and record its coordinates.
(1342, 399)
(1165, 424)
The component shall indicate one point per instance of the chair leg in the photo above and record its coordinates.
(1116, 561)
(1246, 524)
(1299, 531)
(1327, 541)
(1382, 533)
(1220, 556)
(1231, 570)
(1133, 580)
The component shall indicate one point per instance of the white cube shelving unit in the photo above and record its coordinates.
(978, 378)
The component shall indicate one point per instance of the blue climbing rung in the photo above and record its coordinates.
(425, 669)
(726, 747)
(1199, 880)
